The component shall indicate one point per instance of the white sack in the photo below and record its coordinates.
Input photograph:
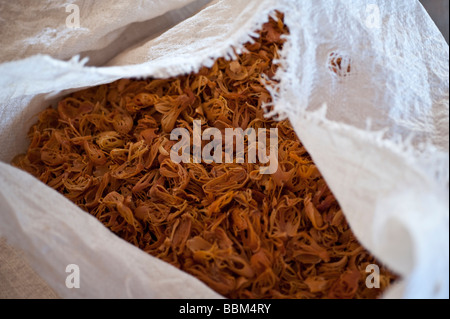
(378, 130)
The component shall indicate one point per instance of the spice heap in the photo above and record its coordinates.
(243, 233)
